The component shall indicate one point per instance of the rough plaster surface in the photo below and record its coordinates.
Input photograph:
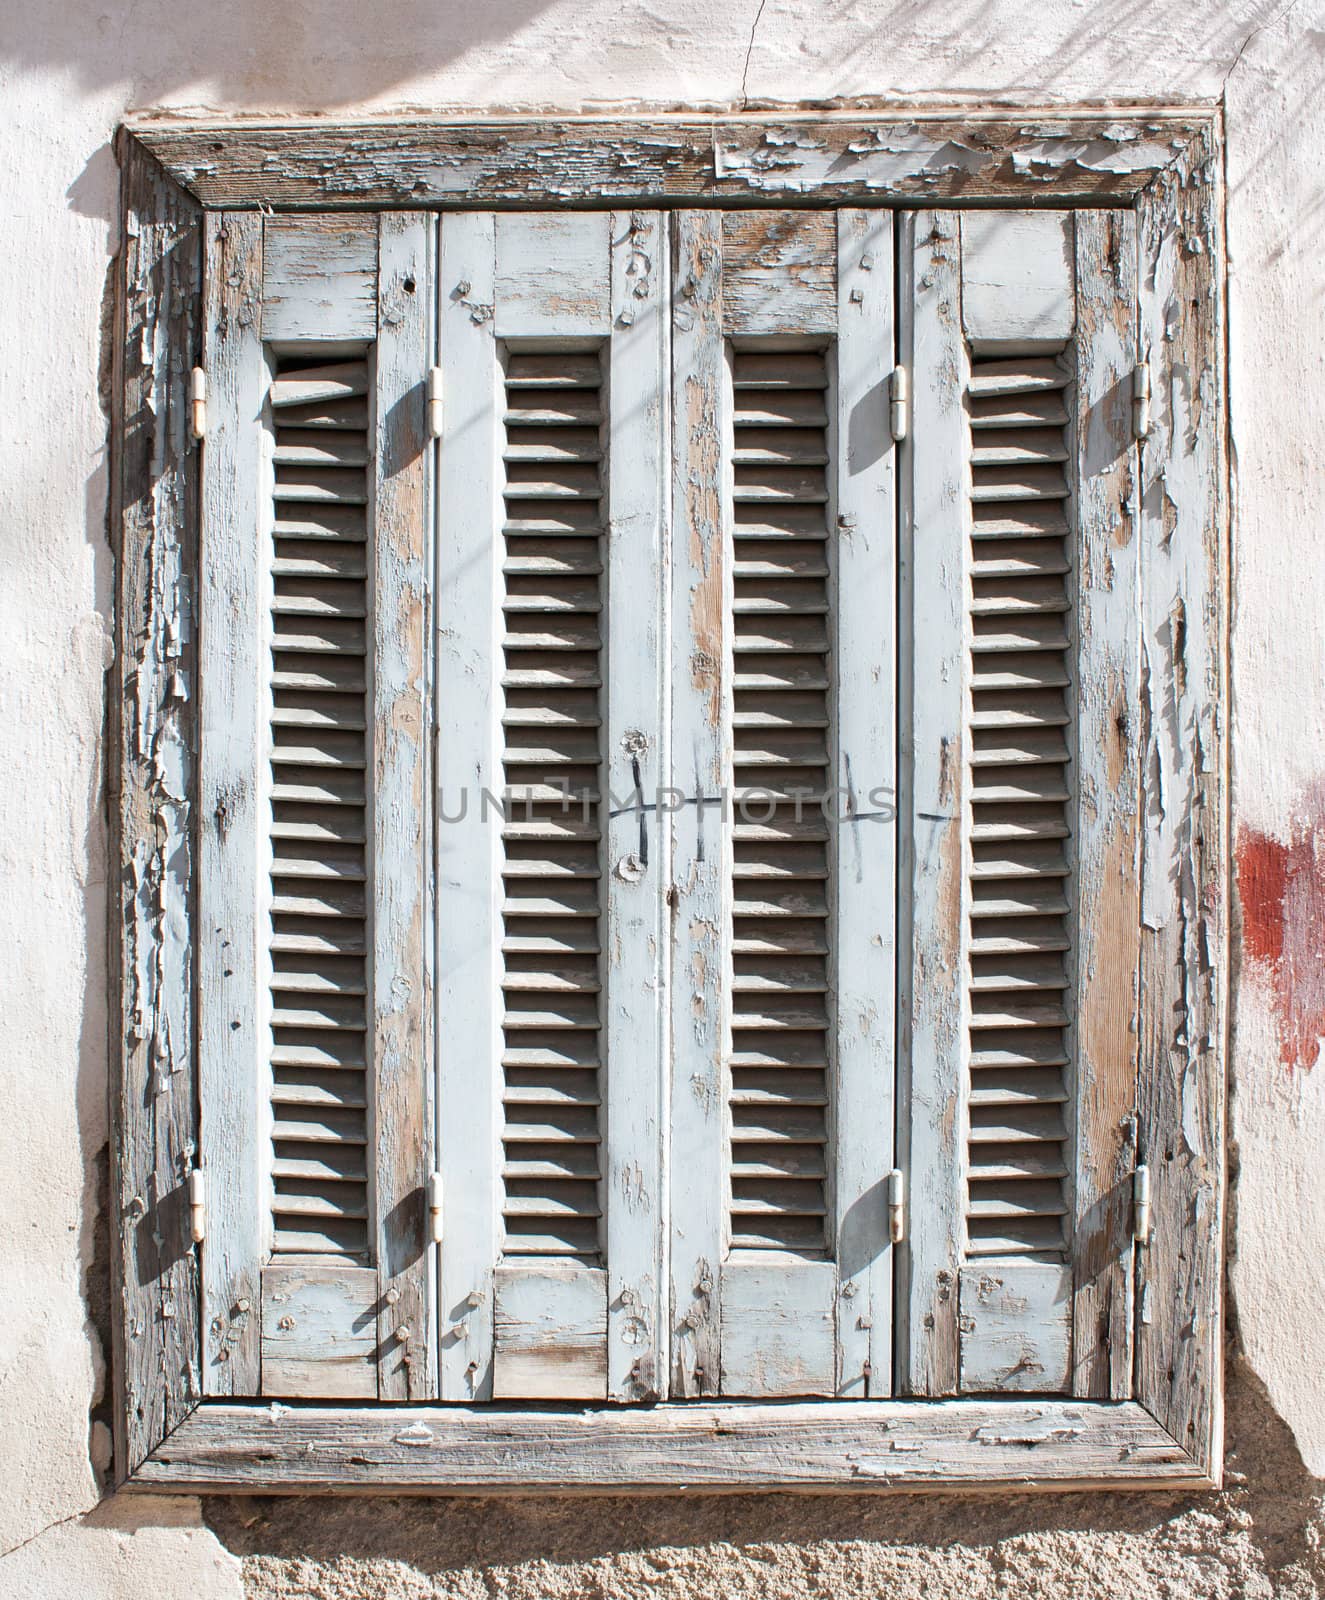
(67, 75)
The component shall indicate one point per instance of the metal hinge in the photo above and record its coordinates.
(896, 1206)
(435, 1207)
(435, 402)
(1141, 399)
(899, 396)
(198, 403)
(198, 1205)
(1141, 1205)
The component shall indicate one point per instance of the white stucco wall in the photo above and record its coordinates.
(69, 72)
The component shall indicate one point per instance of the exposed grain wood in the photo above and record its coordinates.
(402, 1000)
(319, 1332)
(701, 764)
(822, 1445)
(550, 1335)
(637, 753)
(469, 926)
(779, 273)
(319, 273)
(748, 159)
(865, 717)
(1184, 846)
(154, 1107)
(234, 784)
(1107, 825)
(934, 537)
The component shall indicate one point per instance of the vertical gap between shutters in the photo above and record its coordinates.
(1020, 886)
(553, 718)
(320, 758)
(782, 857)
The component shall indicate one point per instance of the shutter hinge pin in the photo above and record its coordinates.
(198, 403)
(899, 396)
(435, 402)
(435, 1207)
(198, 1204)
(1141, 1205)
(896, 1206)
(1141, 399)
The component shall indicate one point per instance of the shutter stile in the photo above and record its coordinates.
(783, 601)
(1021, 780)
(321, 887)
(550, 993)
(552, 722)
(990, 549)
(782, 850)
(313, 968)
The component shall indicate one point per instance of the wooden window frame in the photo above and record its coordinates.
(1163, 162)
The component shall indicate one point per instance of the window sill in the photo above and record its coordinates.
(805, 1446)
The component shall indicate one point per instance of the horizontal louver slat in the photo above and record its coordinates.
(318, 946)
(781, 854)
(552, 733)
(1018, 870)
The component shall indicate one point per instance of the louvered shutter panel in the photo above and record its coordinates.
(313, 984)
(550, 896)
(1023, 800)
(782, 685)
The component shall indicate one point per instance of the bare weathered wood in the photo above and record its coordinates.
(701, 765)
(1107, 828)
(234, 1022)
(549, 1331)
(153, 732)
(933, 562)
(779, 273)
(313, 274)
(1184, 912)
(822, 1445)
(399, 804)
(744, 159)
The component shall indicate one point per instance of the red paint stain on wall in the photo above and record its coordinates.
(1281, 888)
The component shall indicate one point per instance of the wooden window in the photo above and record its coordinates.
(728, 852)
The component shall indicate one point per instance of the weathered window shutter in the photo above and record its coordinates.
(1021, 872)
(312, 897)
(783, 734)
(550, 693)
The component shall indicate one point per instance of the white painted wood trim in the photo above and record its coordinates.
(863, 517)
(469, 924)
(637, 861)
